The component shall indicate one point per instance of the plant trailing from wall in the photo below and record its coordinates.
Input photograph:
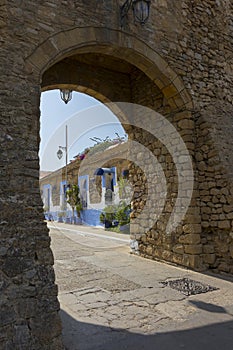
(125, 190)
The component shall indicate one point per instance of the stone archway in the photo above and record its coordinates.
(122, 59)
(56, 60)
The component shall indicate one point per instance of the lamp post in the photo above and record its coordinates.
(60, 153)
(141, 10)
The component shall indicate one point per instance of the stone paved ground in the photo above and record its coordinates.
(111, 299)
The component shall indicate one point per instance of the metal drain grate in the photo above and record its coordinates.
(189, 287)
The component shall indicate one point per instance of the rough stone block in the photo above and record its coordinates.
(225, 224)
(179, 249)
(190, 239)
(194, 228)
(179, 259)
(167, 255)
(149, 250)
(222, 248)
(193, 219)
(224, 267)
(209, 258)
(186, 124)
(193, 248)
(208, 249)
(196, 262)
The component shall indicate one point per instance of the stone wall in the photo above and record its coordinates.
(185, 50)
(212, 94)
(183, 246)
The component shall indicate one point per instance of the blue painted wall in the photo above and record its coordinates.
(91, 217)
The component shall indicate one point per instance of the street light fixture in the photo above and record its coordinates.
(141, 10)
(60, 152)
(60, 155)
(66, 95)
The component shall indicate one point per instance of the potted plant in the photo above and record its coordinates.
(108, 215)
(60, 215)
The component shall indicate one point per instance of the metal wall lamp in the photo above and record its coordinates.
(141, 10)
(66, 95)
(59, 153)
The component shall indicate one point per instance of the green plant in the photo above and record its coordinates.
(79, 208)
(100, 147)
(123, 214)
(73, 199)
(124, 188)
(120, 213)
(102, 217)
(108, 214)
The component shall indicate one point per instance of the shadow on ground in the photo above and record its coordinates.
(86, 336)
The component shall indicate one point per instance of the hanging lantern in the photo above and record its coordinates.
(59, 154)
(66, 95)
(141, 10)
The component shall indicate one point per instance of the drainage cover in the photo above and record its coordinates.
(189, 287)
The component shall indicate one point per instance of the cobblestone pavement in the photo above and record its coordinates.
(111, 299)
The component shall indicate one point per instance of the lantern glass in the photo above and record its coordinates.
(66, 95)
(141, 10)
(59, 154)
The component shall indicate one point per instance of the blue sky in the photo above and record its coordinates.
(85, 117)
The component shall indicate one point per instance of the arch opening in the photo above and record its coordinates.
(111, 74)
